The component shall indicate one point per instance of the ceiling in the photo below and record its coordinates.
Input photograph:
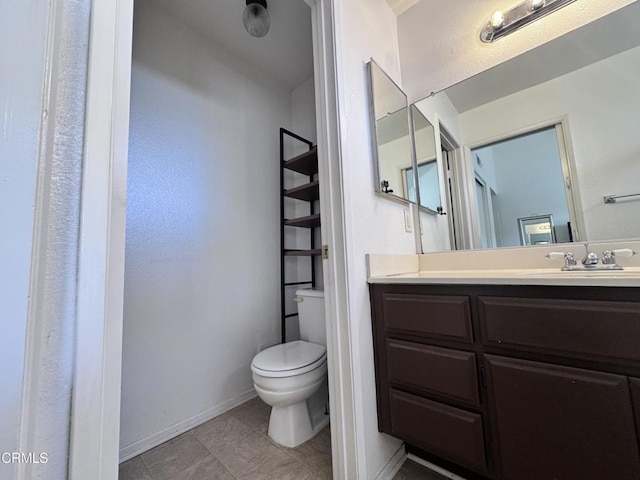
(400, 6)
(285, 54)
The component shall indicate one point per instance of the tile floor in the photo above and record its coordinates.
(235, 446)
(412, 471)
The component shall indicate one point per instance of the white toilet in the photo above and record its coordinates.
(292, 377)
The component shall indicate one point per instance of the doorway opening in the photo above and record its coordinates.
(202, 256)
(519, 178)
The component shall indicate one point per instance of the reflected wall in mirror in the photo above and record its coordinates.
(578, 97)
(428, 183)
(390, 138)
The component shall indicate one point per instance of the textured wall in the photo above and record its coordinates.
(47, 99)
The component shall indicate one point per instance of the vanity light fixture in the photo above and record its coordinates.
(503, 23)
(256, 18)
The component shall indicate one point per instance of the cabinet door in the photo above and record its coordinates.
(555, 422)
(635, 395)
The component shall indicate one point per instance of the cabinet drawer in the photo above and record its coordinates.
(569, 327)
(446, 431)
(443, 371)
(434, 316)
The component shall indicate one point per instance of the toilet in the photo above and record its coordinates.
(292, 377)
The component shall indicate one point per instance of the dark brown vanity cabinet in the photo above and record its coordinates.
(512, 382)
(558, 422)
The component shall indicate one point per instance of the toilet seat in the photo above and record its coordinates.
(289, 359)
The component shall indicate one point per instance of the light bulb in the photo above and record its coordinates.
(536, 4)
(497, 20)
(256, 18)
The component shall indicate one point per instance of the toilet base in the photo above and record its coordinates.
(291, 426)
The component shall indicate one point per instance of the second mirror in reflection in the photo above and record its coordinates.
(427, 163)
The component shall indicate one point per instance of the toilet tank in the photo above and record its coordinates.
(313, 326)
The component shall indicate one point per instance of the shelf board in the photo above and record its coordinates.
(308, 192)
(303, 253)
(307, 163)
(310, 221)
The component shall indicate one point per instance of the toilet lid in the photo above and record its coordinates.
(298, 355)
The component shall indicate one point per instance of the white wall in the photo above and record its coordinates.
(484, 165)
(303, 110)
(600, 102)
(364, 29)
(202, 259)
(23, 27)
(442, 46)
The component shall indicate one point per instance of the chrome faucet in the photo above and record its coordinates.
(568, 257)
(608, 258)
(591, 258)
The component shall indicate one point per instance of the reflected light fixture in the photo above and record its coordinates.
(256, 18)
(503, 23)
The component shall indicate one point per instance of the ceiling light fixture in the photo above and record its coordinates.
(256, 18)
(502, 24)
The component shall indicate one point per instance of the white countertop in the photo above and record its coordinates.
(517, 266)
(625, 278)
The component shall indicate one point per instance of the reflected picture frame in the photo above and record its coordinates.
(536, 230)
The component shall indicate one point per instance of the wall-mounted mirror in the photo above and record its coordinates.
(551, 132)
(390, 138)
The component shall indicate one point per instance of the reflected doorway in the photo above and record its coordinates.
(522, 176)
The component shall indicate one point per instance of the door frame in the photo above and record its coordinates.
(445, 142)
(95, 415)
(567, 162)
(487, 202)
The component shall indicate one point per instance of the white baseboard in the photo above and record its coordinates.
(393, 465)
(134, 449)
(435, 468)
